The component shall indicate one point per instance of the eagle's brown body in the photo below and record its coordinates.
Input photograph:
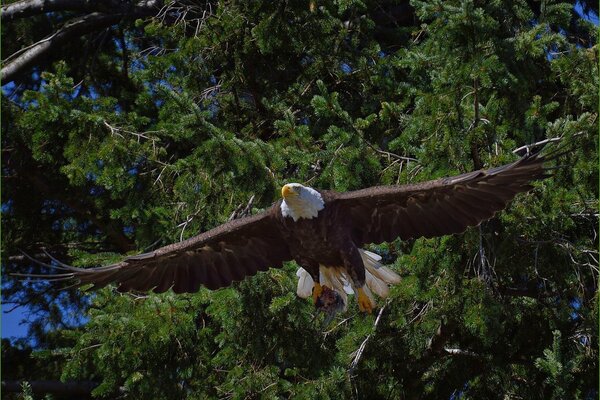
(324, 240)
(332, 237)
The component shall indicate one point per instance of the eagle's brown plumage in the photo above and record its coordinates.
(242, 247)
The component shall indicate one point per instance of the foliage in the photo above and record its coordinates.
(326, 94)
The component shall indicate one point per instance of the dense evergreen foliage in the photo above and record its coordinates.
(157, 129)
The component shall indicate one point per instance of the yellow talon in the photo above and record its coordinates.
(317, 290)
(364, 302)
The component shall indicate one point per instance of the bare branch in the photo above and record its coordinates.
(461, 352)
(185, 223)
(363, 345)
(533, 293)
(84, 210)
(528, 147)
(28, 8)
(242, 211)
(147, 135)
(339, 324)
(422, 311)
(77, 27)
(393, 155)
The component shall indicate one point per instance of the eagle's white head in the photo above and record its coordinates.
(300, 201)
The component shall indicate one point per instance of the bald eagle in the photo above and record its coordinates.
(324, 232)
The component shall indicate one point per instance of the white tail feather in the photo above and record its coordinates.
(372, 265)
(305, 283)
(376, 285)
(334, 278)
(377, 279)
(373, 256)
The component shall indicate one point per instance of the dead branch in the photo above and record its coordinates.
(528, 147)
(242, 211)
(84, 210)
(393, 155)
(28, 8)
(20, 61)
(147, 135)
(185, 223)
(363, 345)
(71, 30)
(461, 352)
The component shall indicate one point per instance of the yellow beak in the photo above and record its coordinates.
(287, 191)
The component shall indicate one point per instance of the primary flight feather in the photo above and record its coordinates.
(324, 232)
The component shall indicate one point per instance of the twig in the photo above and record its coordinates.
(392, 155)
(528, 147)
(362, 346)
(337, 325)
(90, 347)
(318, 170)
(139, 135)
(242, 211)
(422, 311)
(158, 178)
(185, 223)
(461, 352)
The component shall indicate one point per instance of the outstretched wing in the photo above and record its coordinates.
(215, 259)
(439, 207)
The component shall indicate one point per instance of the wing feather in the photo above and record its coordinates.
(438, 207)
(224, 272)
(166, 280)
(182, 275)
(215, 259)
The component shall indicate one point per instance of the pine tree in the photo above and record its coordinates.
(210, 108)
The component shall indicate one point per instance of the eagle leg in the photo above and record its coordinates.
(317, 291)
(364, 302)
(313, 269)
(356, 269)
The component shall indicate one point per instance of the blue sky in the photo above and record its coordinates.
(590, 17)
(11, 326)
